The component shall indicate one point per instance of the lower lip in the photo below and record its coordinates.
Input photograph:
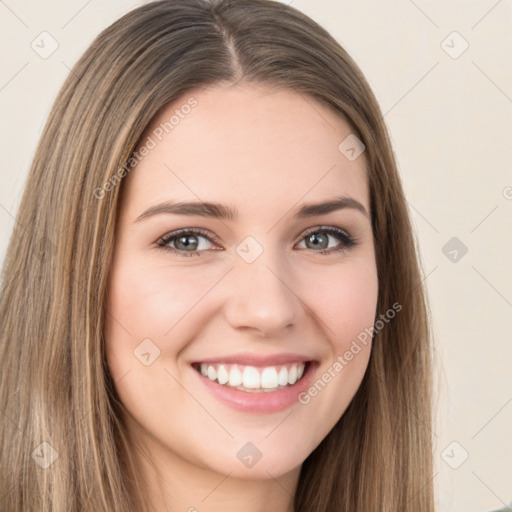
(260, 402)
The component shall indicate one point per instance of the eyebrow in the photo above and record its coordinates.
(220, 211)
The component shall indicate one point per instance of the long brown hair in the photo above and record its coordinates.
(55, 385)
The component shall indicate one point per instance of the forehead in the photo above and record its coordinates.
(252, 146)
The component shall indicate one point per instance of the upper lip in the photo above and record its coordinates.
(247, 359)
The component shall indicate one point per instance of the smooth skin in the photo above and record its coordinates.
(263, 152)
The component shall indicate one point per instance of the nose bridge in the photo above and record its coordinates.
(262, 296)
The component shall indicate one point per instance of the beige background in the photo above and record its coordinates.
(449, 112)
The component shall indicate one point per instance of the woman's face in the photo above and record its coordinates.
(216, 308)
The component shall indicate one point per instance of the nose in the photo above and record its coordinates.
(262, 297)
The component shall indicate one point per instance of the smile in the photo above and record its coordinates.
(251, 378)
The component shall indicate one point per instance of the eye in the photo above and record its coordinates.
(186, 242)
(313, 240)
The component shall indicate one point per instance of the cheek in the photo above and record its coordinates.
(161, 303)
(151, 302)
(346, 300)
(346, 312)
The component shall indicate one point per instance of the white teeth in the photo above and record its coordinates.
(282, 378)
(212, 373)
(251, 378)
(235, 377)
(269, 378)
(292, 375)
(222, 375)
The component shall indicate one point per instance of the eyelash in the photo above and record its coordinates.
(347, 240)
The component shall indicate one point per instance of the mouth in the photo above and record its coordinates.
(254, 379)
(256, 383)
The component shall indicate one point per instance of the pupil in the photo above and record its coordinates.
(314, 239)
(183, 241)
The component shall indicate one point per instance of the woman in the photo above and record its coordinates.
(172, 336)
